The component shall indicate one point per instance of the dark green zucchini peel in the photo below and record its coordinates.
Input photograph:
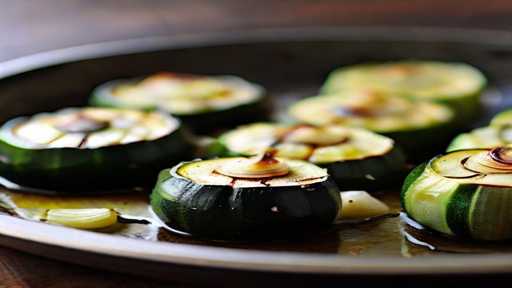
(201, 102)
(77, 149)
(235, 198)
(355, 158)
(464, 193)
(419, 127)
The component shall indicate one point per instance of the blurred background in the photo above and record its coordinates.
(29, 26)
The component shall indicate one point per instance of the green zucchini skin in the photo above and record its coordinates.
(465, 210)
(421, 144)
(203, 122)
(73, 170)
(371, 173)
(411, 177)
(225, 212)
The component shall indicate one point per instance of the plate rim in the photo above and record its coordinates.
(249, 260)
(243, 259)
(148, 44)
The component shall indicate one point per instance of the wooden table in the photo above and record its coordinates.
(32, 26)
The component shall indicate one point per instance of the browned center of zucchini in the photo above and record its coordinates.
(353, 111)
(261, 166)
(82, 124)
(368, 104)
(318, 136)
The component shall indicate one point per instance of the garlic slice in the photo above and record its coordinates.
(361, 205)
(94, 218)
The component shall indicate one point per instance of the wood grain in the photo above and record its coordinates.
(32, 26)
(19, 270)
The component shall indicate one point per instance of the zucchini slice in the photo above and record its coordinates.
(464, 193)
(355, 158)
(485, 137)
(503, 118)
(230, 198)
(498, 133)
(201, 102)
(84, 148)
(419, 127)
(455, 84)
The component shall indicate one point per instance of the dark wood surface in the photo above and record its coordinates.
(32, 26)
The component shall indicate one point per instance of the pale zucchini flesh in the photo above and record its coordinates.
(428, 80)
(88, 128)
(355, 158)
(503, 118)
(376, 111)
(485, 137)
(206, 172)
(292, 142)
(90, 148)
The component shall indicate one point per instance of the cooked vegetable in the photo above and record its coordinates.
(455, 84)
(419, 127)
(503, 118)
(125, 215)
(361, 205)
(498, 133)
(82, 218)
(355, 158)
(486, 137)
(239, 197)
(201, 102)
(464, 193)
(77, 149)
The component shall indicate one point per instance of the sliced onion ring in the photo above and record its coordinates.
(262, 166)
(502, 155)
(491, 162)
(82, 124)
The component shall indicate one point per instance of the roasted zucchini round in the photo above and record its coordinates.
(455, 84)
(355, 158)
(230, 198)
(464, 193)
(499, 133)
(485, 137)
(419, 127)
(201, 102)
(503, 118)
(83, 148)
